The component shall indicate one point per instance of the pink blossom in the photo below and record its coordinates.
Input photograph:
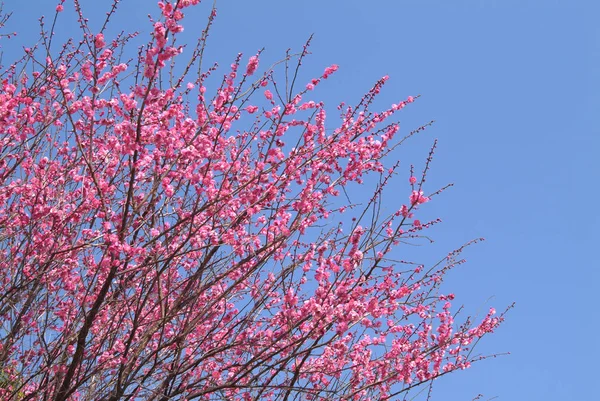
(330, 70)
(99, 41)
(252, 65)
(417, 197)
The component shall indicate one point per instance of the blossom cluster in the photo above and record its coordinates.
(160, 243)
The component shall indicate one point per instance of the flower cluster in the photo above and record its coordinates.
(157, 242)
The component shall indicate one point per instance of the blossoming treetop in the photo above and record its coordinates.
(160, 242)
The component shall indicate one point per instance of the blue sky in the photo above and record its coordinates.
(514, 87)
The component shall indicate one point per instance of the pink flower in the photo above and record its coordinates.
(310, 87)
(417, 197)
(268, 94)
(412, 180)
(252, 65)
(99, 41)
(59, 8)
(330, 70)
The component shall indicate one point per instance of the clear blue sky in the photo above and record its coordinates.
(514, 87)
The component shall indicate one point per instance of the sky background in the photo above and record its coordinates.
(514, 88)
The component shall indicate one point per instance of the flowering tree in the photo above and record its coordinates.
(162, 243)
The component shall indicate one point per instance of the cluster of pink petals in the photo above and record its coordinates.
(330, 70)
(417, 198)
(252, 65)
